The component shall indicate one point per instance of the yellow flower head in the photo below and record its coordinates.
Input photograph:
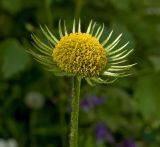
(82, 54)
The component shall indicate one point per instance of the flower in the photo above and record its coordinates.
(90, 102)
(12, 143)
(82, 54)
(127, 143)
(34, 100)
(103, 133)
(8, 143)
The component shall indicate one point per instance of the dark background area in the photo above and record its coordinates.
(35, 105)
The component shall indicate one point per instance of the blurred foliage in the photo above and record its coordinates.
(35, 105)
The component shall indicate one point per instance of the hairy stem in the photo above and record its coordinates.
(75, 112)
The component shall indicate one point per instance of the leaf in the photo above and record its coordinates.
(14, 127)
(147, 97)
(12, 6)
(155, 60)
(121, 5)
(89, 142)
(15, 58)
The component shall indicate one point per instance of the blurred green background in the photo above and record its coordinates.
(35, 105)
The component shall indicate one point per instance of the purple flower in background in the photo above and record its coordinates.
(90, 102)
(129, 143)
(103, 133)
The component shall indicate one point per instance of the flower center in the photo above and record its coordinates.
(81, 54)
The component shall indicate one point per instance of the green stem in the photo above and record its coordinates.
(75, 112)
(62, 122)
(33, 121)
(48, 12)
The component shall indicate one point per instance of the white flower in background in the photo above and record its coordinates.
(12, 143)
(34, 100)
(8, 143)
(2, 143)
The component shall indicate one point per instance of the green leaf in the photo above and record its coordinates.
(14, 127)
(15, 57)
(12, 6)
(147, 97)
(89, 142)
(155, 60)
(121, 5)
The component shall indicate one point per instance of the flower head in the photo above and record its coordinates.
(82, 54)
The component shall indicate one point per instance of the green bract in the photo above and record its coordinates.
(82, 54)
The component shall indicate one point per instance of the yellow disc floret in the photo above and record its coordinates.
(81, 54)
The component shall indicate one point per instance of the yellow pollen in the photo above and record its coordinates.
(81, 54)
